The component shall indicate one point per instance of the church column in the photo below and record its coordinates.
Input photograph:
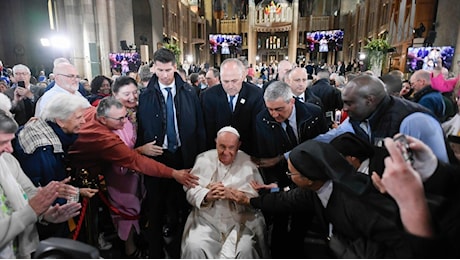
(455, 66)
(293, 35)
(252, 34)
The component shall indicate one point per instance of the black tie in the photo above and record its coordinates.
(290, 133)
(170, 127)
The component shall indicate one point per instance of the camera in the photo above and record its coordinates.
(21, 84)
(404, 148)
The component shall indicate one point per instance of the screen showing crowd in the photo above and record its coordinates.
(225, 44)
(426, 57)
(325, 41)
(129, 61)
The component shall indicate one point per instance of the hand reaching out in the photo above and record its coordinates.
(259, 186)
(185, 178)
(88, 192)
(238, 196)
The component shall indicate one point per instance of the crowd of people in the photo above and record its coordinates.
(295, 161)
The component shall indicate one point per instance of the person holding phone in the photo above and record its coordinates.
(23, 95)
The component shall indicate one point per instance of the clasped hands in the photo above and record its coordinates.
(219, 191)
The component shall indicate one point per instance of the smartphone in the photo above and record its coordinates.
(404, 147)
(21, 84)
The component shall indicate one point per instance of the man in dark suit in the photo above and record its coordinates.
(232, 103)
(169, 113)
(23, 95)
(340, 69)
(298, 81)
(329, 95)
(284, 123)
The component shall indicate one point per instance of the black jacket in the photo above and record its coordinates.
(329, 95)
(272, 139)
(151, 116)
(217, 114)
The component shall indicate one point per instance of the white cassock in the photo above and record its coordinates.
(223, 229)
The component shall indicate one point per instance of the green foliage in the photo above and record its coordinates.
(378, 45)
(175, 49)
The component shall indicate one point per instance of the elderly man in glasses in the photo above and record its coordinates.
(23, 95)
(98, 147)
(66, 81)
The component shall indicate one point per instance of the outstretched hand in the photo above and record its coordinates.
(237, 196)
(260, 186)
(185, 178)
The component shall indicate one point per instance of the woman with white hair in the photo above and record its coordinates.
(41, 147)
(5, 103)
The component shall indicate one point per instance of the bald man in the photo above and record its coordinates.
(283, 67)
(298, 81)
(425, 95)
(67, 81)
(374, 115)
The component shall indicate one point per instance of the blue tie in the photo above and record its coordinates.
(230, 103)
(170, 128)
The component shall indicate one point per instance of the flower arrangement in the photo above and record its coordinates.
(378, 45)
(377, 49)
(174, 49)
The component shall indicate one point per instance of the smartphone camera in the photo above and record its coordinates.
(404, 148)
(21, 84)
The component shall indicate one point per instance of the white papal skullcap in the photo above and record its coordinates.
(228, 129)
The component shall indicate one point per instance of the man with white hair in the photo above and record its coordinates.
(23, 95)
(66, 81)
(217, 227)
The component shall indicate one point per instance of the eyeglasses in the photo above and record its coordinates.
(21, 73)
(120, 119)
(70, 76)
(413, 82)
(290, 174)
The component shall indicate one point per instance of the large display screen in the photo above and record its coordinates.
(125, 61)
(425, 57)
(225, 44)
(325, 41)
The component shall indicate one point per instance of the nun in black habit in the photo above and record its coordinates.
(361, 222)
